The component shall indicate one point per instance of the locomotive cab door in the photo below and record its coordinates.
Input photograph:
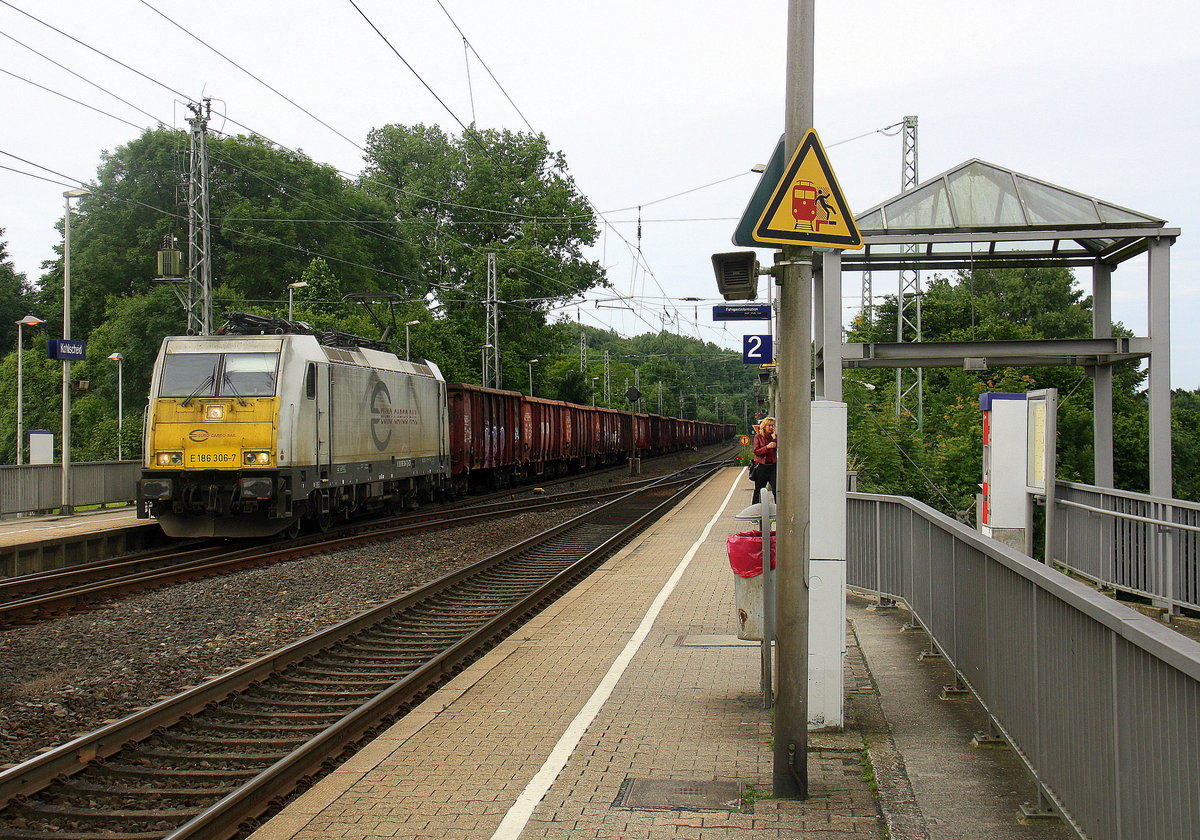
(317, 384)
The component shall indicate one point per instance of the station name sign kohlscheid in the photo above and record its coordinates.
(66, 349)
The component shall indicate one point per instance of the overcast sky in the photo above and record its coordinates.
(647, 99)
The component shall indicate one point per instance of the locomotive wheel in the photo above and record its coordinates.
(323, 522)
(291, 531)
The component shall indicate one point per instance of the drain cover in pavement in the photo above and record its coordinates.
(675, 795)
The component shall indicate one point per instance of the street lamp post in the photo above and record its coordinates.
(532, 362)
(594, 378)
(407, 351)
(483, 364)
(299, 284)
(27, 321)
(66, 506)
(118, 358)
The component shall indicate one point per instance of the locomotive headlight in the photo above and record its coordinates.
(256, 457)
(168, 459)
(214, 412)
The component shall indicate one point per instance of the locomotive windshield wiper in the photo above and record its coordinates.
(197, 390)
(227, 380)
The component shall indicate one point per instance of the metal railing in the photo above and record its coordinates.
(1098, 700)
(37, 487)
(1145, 545)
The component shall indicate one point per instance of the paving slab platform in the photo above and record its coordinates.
(20, 530)
(612, 714)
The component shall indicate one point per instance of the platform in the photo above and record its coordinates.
(628, 710)
(35, 543)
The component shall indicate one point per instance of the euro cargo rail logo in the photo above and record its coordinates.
(384, 416)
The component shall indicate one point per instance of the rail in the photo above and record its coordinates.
(36, 487)
(1098, 700)
(1145, 545)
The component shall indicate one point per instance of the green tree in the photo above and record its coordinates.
(459, 199)
(272, 212)
(943, 465)
(14, 297)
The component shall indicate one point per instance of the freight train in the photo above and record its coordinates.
(258, 434)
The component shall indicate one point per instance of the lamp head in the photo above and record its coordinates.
(299, 284)
(116, 357)
(76, 193)
(30, 321)
(411, 323)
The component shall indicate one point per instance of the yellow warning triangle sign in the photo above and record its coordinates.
(807, 207)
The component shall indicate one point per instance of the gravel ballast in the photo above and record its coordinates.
(69, 675)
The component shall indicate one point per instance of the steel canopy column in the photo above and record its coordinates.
(1102, 378)
(829, 326)
(1159, 293)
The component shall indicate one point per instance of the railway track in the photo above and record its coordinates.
(47, 594)
(211, 761)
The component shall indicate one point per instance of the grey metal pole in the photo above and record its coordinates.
(65, 505)
(120, 407)
(20, 388)
(767, 649)
(407, 345)
(790, 768)
(290, 318)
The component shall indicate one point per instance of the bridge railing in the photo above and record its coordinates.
(1098, 700)
(1146, 545)
(36, 487)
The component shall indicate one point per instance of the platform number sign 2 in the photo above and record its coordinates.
(757, 350)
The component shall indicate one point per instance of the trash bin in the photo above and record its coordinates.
(745, 558)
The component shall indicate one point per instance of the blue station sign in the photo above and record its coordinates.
(757, 350)
(66, 349)
(742, 312)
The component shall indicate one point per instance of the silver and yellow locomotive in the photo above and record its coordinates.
(248, 435)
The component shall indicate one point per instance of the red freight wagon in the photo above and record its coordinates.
(485, 433)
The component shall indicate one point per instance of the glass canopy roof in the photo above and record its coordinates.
(977, 205)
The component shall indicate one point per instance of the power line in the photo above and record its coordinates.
(406, 64)
(100, 52)
(467, 43)
(209, 46)
(69, 98)
(81, 78)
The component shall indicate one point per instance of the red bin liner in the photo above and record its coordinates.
(745, 553)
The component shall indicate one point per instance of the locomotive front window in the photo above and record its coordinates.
(189, 374)
(249, 375)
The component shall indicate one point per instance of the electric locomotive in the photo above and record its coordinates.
(248, 435)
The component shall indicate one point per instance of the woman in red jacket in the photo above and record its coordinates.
(766, 449)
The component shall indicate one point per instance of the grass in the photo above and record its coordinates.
(750, 795)
(867, 774)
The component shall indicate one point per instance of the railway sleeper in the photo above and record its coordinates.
(282, 695)
(211, 740)
(124, 784)
(331, 700)
(92, 815)
(354, 681)
(261, 728)
(215, 764)
(272, 715)
(136, 800)
(356, 669)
